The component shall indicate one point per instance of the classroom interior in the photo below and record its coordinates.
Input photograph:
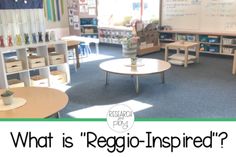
(78, 58)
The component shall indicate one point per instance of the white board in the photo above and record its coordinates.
(200, 15)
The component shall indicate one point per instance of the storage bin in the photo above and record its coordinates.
(15, 83)
(58, 77)
(214, 48)
(191, 38)
(181, 37)
(228, 50)
(149, 45)
(56, 58)
(204, 47)
(166, 36)
(88, 30)
(13, 65)
(39, 81)
(213, 39)
(203, 38)
(36, 61)
(143, 45)
(227, 41)
(94, 22)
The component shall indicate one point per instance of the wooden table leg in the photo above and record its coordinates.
(234, 64)
(178, 50)
(186, 58)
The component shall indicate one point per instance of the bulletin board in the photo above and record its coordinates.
(200, 15)
(80, 9)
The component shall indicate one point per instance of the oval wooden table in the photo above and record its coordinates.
(41, 103)
(145, 66)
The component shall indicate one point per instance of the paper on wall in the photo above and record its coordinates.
(83, 2)
(92, 3)
(76, 26)
(92, 11)
(76, 18)
(71, 12)
(71, 21)
(83, 9)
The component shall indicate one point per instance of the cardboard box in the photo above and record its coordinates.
(228, 50)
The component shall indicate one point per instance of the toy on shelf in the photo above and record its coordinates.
(40, 34)
(18, 40)
(26, 38)
(47, 37)
(10, 43)
(2, 41)
(34, 38)
(52, 36)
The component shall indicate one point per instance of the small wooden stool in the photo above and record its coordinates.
(183, 45)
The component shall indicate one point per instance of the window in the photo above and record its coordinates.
(121, 12)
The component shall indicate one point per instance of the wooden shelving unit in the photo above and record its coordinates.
(214, 43)
(148, 39)
(21, 53)
(113, 34)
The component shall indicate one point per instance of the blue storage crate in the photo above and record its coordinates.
(213, 39)
(203, 38)
(191, 38)
(166, 36)
(214, 48)
(94, 22)
(204, 47)
(88, 21)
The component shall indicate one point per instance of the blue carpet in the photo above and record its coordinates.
(204, 90)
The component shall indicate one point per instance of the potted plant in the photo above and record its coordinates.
(7, 97)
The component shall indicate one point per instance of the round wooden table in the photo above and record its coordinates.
(145, 66)
(41, 103)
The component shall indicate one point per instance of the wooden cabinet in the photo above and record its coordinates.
(34, 67)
